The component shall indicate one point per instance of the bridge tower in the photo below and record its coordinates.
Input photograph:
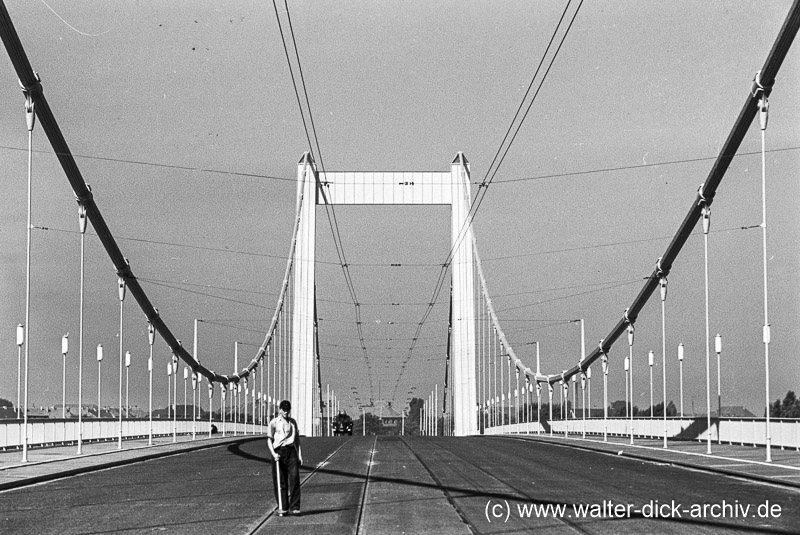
(365, 188)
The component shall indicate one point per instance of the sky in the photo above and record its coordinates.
(183, 119)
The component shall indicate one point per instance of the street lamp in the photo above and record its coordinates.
(121, 287)
(99, 362)
(82, 229)
(680, 363)
(194, 412)
(185, 377)
(627, 374)
(151, 338)
(663, 286)
(175, 397)
(20, 343)
(718, 349)
(30, 118)
(605, 392)
(210, 406)
(64, 351)
(763, 116)
(589, 389)
(169, 390)
(706, 214)
(631, 336)
(650, 357)
(127, 384)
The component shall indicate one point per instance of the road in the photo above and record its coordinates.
(403, 485)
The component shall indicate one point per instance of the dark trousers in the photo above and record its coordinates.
(290, 478)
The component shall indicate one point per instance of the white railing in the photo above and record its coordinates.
(742, 431)
(51, 432)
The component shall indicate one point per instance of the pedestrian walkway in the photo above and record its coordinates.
(48, 463)
(730, 459)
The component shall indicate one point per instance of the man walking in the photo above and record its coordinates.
(283, 439)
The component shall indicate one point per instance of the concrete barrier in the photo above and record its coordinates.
(743, 431)
(63, 431)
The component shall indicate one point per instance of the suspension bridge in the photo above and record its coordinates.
(488, 383)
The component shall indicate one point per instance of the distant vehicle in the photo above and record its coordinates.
(342, 424)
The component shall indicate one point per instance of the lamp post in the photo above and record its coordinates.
(185, 379)
(30, 119)
(20, 343)
(583, 401)
(169, 390)
(121, 287)
(650, 358)
(605, 393)
(82, 229)
(151, 338)
(763, 116)
(194, 412)
(589, 389)
(127, 383)
(627, 374)
(631, 337)
(718, 349)
(99, 362)
(64, 351)
(550, 396)
(175, 397)
(680, 364)
(210, 405)
(706, 214)
(663, 286)
(223, 390)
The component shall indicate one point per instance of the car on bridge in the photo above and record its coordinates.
(342, 424)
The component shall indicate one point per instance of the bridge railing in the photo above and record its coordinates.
(742, 431)
(53, 432)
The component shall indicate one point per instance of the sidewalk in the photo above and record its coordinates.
(48, 463)
(743, 461)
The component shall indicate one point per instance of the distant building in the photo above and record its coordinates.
(390, 419)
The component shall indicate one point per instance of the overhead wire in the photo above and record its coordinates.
(331, 214)
(487, 180)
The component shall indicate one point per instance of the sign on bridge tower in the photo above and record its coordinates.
(364, 188)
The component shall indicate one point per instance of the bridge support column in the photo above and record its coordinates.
(302, 367)
(465, 411)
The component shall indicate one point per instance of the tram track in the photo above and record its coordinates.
(462, 513)
(264, 519)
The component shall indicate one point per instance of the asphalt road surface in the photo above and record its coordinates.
(403, 485)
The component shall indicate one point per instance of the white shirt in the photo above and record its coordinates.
(283, 432)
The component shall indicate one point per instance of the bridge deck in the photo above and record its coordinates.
(407, 485)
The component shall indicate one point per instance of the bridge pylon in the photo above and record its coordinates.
(367, 188)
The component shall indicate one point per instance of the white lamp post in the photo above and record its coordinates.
(680, 363)
(20, 343)
(629, 377)
(121, 287)
(663, 286)
(175, 397)
(605, 393)
(82, 228)
(763, 116)
(30, 118)
(194, 412)
(151, 338)
(589, 389)
(99, 363)
(223, 390)
(169, 390)
(718, 349)
(627, 374)
(210, 406)
(185, 379)
(706, 214)
(127, 384)
(650, 357)
(64, 351)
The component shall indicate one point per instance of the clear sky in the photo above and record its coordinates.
(184, 122)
